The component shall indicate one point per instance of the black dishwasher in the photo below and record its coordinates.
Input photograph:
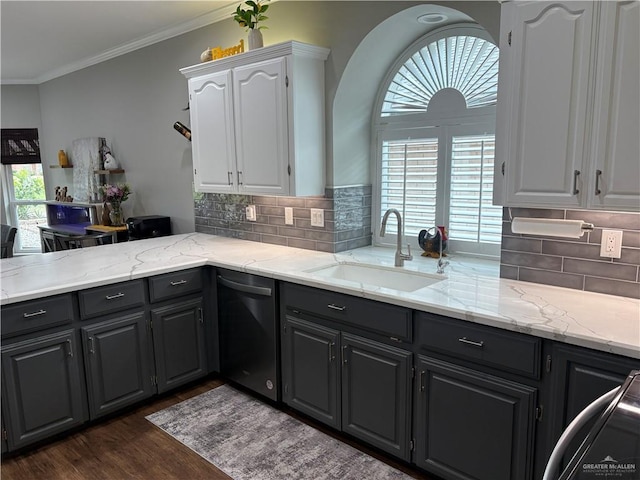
(248, 323)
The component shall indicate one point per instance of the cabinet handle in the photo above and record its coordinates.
(34, 314)
(70, 348)
(230, 178)
(422, 386)
(331, 355)
(598, 173)
(336, 307)
(92, 348)
(181, 282)
(464, 340)
(200, 316)
(239, 177)
(576, 174)
(344, 354)
(113, 297)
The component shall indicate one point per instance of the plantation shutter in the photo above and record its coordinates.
(20, 146)
(409, 181)
(472, 217)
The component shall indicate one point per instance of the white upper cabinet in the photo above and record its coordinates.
(616, 131)
(257, 121)
(568, 104)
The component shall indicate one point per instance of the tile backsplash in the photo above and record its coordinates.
(347, 218)
(573, 263)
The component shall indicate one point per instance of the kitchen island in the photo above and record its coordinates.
(470, 290)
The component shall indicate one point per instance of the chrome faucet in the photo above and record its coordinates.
(441, 263)
(400, 257)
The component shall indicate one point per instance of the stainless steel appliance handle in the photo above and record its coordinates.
(241, 287)
(550, 472)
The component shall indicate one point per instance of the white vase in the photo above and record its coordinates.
(255, 39)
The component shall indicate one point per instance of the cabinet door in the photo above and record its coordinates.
(470, 425)
(118, 363)
(310, 370)
(550, 66)
(178, 340)
(262, 132)
(616, 114)
(213, 141)
(579, 377)
(376, 394)
(42, 393)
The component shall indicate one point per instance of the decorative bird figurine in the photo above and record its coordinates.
(110, 163)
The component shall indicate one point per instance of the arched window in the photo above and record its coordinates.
(435, 142)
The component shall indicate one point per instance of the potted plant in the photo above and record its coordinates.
(250, 18)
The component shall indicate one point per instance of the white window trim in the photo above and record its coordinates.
(397, 127)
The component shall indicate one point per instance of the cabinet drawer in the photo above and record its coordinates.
(485, 345)
(377, 317)
(175, 284)
(35, 315)
(111, 298)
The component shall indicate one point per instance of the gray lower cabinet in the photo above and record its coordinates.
(311, 370)
(349, 382)
(376, 394)
(42, 392)
(579, 377)
(471, 425)
(118, 363)
(179, 343)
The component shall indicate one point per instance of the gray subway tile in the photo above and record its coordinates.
(328, 247)
(269, 229)
(276, 220)
(264, 200)
(319, 236)
(600, 269)
(318, 202)
(521, 259)
(290, 201)
(557, 279)
(359, 242)
(271, 211)
(629, 255)
(612, 287)
(535, 213)
(522, 244)
(287, 231)
(571, 249)
(301, 213)
(619, 220)
(301, 243)
(508, 271)
(274, 239)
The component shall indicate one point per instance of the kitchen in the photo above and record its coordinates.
(125, 91)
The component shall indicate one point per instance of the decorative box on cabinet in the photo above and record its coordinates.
(342, 378)
(257, 121)
(567, 105)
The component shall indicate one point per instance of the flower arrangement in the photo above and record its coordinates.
(250, 17)
(114, 195)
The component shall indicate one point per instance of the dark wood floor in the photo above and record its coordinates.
(130, 447)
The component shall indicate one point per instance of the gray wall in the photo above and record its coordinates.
(133, 100)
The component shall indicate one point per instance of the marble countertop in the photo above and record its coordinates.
(470, 290)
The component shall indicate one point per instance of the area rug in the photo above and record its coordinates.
(250, 440)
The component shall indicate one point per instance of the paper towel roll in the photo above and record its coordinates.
(550, 227)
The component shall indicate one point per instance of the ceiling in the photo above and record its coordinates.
(41, 40)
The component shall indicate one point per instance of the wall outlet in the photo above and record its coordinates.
(251, 213)
(611, 243)
(288, 215)
(317, 217)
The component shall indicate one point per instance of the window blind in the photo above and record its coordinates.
(20, 146)
(472, 217)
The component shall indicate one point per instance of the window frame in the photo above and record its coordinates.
(396, 127)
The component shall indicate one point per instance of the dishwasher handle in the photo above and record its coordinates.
(241, 287)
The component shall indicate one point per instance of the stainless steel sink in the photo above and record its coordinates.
(376, 276)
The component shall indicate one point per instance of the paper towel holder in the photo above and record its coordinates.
(550, 227)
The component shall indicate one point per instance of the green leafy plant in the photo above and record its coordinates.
(251, 16)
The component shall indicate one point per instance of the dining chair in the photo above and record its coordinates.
(8, 236)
